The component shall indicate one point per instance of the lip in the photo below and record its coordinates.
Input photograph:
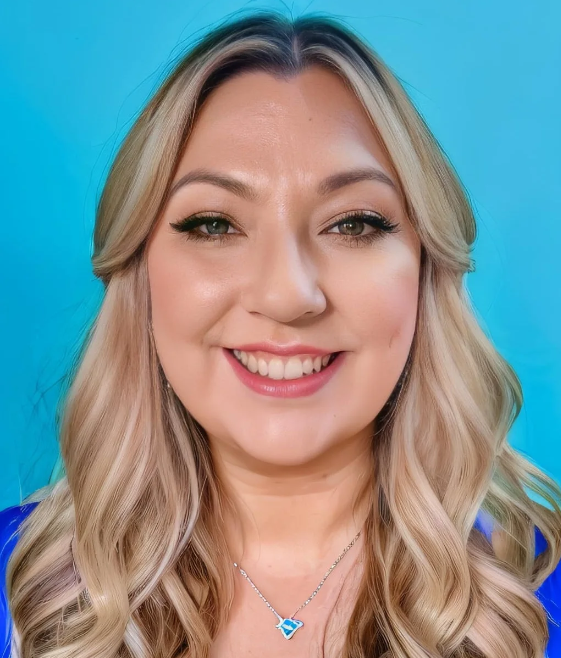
(285, 388)
(290, 349)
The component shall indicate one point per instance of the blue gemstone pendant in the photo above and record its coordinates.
(289, 626)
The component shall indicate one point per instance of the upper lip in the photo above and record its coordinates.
(289, 349)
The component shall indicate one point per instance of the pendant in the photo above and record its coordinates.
(289, 626)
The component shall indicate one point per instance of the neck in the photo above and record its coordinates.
(306, 513)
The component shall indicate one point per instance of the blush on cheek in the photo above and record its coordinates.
(385, 313)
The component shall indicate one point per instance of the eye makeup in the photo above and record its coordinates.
(380, 224)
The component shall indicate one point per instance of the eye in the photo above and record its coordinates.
(218, 231)
(355, 221)
(352, 225)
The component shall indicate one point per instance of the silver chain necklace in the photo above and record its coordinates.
(288, 625)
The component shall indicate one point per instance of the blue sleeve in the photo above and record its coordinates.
(10, 520)
(549, 593)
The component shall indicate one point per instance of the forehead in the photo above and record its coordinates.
(309, 123)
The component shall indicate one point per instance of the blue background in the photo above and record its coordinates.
(485, 74)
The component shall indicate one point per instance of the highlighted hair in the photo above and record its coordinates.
(124, 555)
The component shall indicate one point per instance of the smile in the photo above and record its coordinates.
(277, 368)
(300, 381)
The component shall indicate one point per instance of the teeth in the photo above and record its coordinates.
(252, 365)
(294, 368)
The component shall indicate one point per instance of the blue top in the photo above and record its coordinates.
(10, 519)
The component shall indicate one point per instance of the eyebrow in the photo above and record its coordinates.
(325, 187)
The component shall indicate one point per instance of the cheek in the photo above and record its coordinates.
(382, 312)
(381, 299)
(186, 293)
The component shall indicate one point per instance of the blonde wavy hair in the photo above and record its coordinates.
(124, 555)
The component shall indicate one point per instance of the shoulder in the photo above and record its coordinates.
(10, 521)
(549, 592)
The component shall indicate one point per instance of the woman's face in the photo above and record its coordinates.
(282, 264)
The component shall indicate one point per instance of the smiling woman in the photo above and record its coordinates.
(303, 241)
(285, 402)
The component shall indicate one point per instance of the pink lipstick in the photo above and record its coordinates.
(285, 388)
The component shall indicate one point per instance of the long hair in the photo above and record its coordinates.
(124, 555)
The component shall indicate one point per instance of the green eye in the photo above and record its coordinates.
(217, 227)
(217, 232)
(355, 222)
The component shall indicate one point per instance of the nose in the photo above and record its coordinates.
(283, 282)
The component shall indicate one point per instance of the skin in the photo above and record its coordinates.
(294, 467)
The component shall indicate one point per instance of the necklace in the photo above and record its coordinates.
(288, 625)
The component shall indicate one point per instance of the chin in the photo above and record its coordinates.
(283, 453)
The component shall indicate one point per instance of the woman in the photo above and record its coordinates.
(285, 402)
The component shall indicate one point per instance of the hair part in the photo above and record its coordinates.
(124, 556)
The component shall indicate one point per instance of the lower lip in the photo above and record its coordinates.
(285, 388)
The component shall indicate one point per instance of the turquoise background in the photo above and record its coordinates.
(485, 74)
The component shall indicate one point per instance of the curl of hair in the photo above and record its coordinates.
(124, 556)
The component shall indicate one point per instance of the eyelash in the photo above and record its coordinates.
(375, 220)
